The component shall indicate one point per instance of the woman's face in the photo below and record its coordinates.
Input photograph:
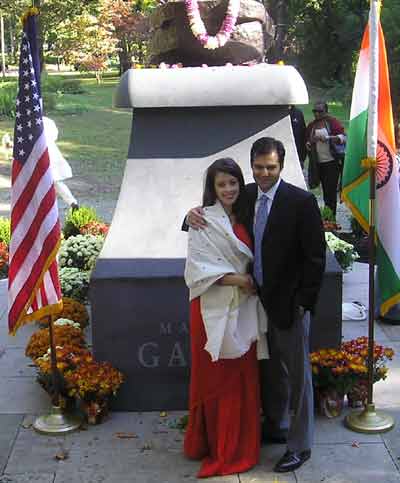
(226, 188)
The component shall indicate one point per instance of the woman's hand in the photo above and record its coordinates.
(242, 280)
(246, 283)
(195, 218)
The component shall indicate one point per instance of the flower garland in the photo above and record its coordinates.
(199, 30)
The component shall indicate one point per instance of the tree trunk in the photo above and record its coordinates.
(278, 9)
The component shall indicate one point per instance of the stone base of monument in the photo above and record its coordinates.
(140, 314)
(183, 120)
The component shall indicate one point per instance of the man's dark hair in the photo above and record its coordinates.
(227, 166)
(267, 146)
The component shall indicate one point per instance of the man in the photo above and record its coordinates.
(299, 132)
(289, 262)
(325, 138)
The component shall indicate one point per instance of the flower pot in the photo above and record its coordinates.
(329, 402)
(357, 396)
(95, 412)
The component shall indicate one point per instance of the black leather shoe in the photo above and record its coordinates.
(292, 460)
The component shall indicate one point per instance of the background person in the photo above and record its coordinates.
(226, 318)
(59, 165)
(324, 163)
(299, 132)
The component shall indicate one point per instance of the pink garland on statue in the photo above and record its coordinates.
(199, 30)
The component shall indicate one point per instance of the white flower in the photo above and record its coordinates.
(211, 44)
(61, 322)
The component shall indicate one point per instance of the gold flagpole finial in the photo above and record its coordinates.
(29, 12)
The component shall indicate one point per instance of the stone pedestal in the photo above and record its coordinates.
(183, 120)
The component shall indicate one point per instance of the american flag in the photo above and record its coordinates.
(33, 283)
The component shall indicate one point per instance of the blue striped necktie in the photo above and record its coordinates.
(261, 221)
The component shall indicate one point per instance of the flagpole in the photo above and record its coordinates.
(369, 420)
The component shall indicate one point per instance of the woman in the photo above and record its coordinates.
(226, 320)
(324, 137)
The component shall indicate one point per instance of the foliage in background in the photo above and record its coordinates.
(76, 219)
(324, 36)
(5, 230)
(3, 260)
(59, 85)
(8, 94)
(130, 21)
(86, 42)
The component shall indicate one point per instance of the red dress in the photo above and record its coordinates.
(224, 406)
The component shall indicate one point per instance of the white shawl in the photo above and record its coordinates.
(233, 320)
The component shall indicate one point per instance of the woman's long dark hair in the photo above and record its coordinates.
(227, 166)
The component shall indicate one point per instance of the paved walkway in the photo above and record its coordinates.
(154, 454)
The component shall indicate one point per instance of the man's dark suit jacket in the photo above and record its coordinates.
(293, 252)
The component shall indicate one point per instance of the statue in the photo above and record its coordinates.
(212, 32)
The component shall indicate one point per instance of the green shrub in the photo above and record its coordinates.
(74, 283)
(59, 86)
(8, 94)
(327, 214)
(80, 251)
(76, 219)
(5, 230)
(72, 86)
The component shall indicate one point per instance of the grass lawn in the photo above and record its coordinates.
(93, 136)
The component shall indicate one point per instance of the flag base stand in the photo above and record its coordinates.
(369, 421)
(57, 422)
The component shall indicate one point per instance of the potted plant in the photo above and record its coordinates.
(357, 395)
(93, 383)
(343, 371)
(344, 252)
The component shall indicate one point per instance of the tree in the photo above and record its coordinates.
(86, 42)
(130, 21)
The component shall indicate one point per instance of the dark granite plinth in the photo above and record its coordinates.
(140, 311)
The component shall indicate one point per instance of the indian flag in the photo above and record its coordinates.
(371, 135)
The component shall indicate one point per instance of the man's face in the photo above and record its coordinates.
(266, 170)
